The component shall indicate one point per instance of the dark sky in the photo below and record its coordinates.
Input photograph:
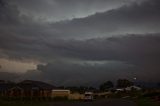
(80, 42)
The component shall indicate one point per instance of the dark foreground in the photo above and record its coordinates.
(107, 102)
(110, 102)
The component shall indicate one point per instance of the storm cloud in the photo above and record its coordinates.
(61, 9)
(135, 18)
(111, 42)
(107, 58)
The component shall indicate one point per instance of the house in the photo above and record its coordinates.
(15, 91)
(60, 93)
(65, 93)
(29, 88)
(133, 88)
(4, 87)
(130, 88)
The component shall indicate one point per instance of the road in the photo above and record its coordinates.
(108, 102)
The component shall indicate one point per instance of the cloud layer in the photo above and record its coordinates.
(71, 48)
(56, 10)
(111, 58)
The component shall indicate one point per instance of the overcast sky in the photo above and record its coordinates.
(69, 42)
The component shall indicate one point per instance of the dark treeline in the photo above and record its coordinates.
(105, 86)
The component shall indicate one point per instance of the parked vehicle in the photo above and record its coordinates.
(88, 96)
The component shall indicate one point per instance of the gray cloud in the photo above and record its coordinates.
(136, 18)
(55, 10)
(131, 48)
(64, 73)
(85, 39)
(8, 76)
(119, 57)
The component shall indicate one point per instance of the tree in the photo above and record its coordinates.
(105, 86)
(123, 83)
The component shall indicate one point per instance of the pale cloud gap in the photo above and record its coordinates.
(16, 66)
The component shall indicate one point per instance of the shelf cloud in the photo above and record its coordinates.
(108, 38)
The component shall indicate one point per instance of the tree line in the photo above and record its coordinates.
(107, 85)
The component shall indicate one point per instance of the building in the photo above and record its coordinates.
(60, 93)
(36, 89)
(4, 87)
(130, 88)
(64, 93)
(29, 88)
(133, 88)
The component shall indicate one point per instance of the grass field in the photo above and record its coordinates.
(138, 101)
(21, 103)
(18, 102)
(102, 102)
(146, 102)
